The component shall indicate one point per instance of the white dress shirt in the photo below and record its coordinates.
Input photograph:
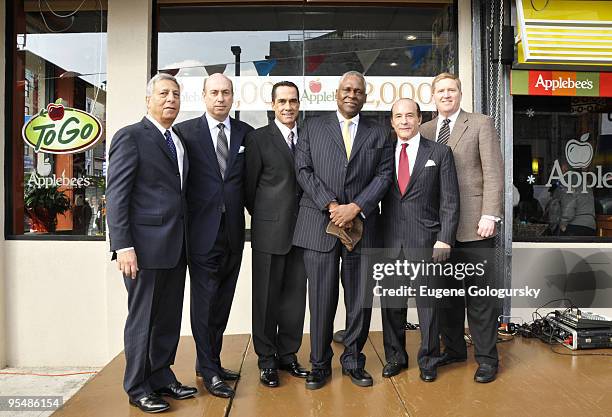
(452, 118)
(180, 151)
(214, 130)
(285, 132)
(412, 149)
(352, 127)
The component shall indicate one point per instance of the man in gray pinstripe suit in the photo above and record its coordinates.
(420, 212)
(344, 164)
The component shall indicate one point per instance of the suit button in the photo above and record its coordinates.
(345, 165)
(178, 175)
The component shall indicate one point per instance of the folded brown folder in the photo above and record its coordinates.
(348, 237)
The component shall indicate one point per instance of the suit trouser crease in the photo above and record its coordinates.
(152, 328)
(279, 304)
(323, 288)
(213, 283)
(394, 333)
(482, 312)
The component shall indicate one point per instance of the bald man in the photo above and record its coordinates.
(420, 216)
(216, 225)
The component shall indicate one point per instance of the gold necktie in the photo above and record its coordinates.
(346, 136)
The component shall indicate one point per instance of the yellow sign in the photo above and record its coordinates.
(60, 130)
(564, 32)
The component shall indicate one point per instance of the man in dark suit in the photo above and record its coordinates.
(279, 279)
(146, 221)
(344, 164)
(480, 171)
(216, 225)
(420, 212)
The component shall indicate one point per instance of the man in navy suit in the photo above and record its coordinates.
(216, 225)
(344, 164)
(146, 210)
(420, 217)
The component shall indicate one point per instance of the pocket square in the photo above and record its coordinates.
(430, 163)
(241, 149)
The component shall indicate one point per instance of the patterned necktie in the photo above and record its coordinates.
(403, 170)
(444, 133)
(222, 149)
(170, 144)
(346, 136)
(290, 142)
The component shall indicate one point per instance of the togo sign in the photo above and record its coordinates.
(60, 130)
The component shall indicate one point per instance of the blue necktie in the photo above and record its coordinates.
(170, 144)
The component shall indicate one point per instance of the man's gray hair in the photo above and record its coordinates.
(353, 74)
(159, 77)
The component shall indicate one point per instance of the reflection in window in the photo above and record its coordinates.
(562, 167)
(399, 49)
(58, 64)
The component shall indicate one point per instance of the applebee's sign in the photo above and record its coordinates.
(579, 154)
(61, 130)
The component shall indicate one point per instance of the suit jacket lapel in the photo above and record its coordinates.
(335, 133)
(185, 159)
(423, 153)
(236, 137)
(206, 143)
(363, 131)
(158, 138)
(429, 130)
(279, 141)
(461, 124)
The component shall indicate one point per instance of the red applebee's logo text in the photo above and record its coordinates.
(579, 154)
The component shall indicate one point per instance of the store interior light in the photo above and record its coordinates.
(410, 38)
(393, 64)
(535, 166)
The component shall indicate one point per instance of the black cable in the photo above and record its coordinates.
(579, 354)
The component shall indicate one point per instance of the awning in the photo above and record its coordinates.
(562, 33)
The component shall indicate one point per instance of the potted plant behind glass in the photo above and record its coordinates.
(43, 204)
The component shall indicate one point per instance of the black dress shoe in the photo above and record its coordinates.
(229, 375)
(359, 376)
(485, 373)
(217, 387)
(269, 377)
(295, 369)
(447, 359)
(177, 391)
(317, 378)
(392, 369)
(428, 375)
(338, 337)
(151, 403)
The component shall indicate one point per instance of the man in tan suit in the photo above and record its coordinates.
(477, 152)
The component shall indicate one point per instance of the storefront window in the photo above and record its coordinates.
(399, 49)
(57, 103)
(562, 168)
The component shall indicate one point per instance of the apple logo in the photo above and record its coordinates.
(579, 153)
(56, 111)
(315, 86)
